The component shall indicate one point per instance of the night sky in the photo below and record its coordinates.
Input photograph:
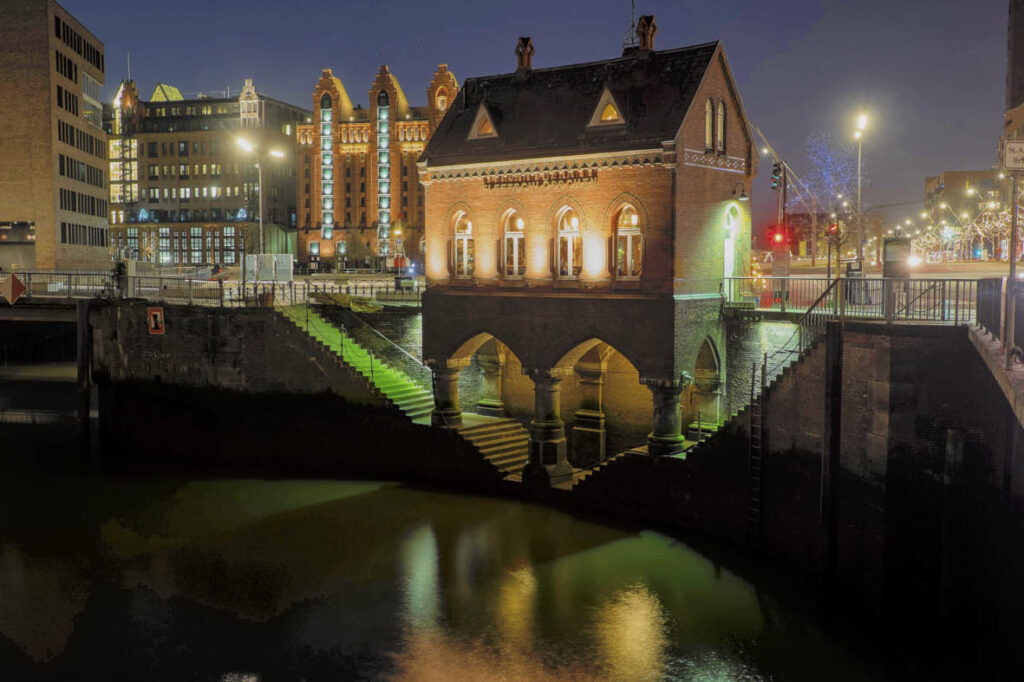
(930, 74)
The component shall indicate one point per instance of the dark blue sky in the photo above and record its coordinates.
(930, 74)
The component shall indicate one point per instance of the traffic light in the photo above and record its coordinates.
(779, 237)
(776, 174)
(833, 229)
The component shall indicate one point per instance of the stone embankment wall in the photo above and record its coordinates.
(922, 429)
(245, 390)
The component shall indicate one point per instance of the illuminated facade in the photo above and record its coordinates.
(53, 172)
(183, 192)
(580, 221)
(357, 182)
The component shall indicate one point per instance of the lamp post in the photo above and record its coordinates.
(862, 124)
(276, 153)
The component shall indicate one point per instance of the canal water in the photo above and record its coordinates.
(147, 578)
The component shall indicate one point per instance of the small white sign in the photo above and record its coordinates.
(1013, 155)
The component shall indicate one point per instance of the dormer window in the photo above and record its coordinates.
(483, 126)
(606, 112)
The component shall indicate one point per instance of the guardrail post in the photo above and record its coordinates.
(220, 292)
(956, 309)
(841, 295)
(190, 292)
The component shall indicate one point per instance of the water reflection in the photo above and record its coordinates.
(631, 631)
(263, 580)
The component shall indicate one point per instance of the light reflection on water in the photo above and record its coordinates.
(328, 580)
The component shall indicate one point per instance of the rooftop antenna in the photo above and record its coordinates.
(129, 66)
(631, 39)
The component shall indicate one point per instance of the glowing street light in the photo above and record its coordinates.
(250, 148)
(862, 124)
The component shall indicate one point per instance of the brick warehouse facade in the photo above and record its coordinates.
(581, 218)
(53, 149)
(183, 193)
(358, 185)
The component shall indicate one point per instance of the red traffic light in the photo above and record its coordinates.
(779, 237)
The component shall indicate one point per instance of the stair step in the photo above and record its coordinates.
(500, 436)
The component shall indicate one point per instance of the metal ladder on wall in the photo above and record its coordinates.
(755, 451)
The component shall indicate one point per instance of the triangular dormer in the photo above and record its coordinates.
(483, 126)
(607, 111)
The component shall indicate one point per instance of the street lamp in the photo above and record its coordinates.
(276, 153)
(862, 124)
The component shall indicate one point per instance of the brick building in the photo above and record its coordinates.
(183, 192)
(52, 146)
(580, 221)
(358, 186)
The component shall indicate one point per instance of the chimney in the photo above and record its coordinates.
(645, 31)
(524, 53)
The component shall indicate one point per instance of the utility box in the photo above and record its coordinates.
(896, 257)
(268, 267)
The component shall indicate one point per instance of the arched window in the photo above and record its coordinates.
(720, 129)
(463, 246)
(628, 243)
(515, 251)
(382, 99)
(441, 99)
(570, 244)
(325, 102)
(709, 126)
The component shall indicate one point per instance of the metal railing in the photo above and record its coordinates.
(43, 285)
(990, 305)
(384, 349)
(944, 301)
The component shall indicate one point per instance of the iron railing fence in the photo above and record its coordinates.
(54, 284)
(944, 301)
(990, 305)
(379, 345)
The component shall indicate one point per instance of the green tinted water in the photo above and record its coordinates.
(123, 578)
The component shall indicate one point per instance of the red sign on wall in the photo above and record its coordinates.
(155, 320)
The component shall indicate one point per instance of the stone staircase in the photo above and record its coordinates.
(412, 399)
(503, 442)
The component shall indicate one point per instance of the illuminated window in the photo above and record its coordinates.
(515, 252)
(570, 244)
(628, 243)
(314, 248)
(383, 174)
(709, 126)
(720, 129)
(442, 99)
(463, 246)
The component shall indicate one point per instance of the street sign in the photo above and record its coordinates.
(11, 289)
(1013, 155)
(155, 320)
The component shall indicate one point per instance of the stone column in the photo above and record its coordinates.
(446, 393)
(588, 429)
(547, 432)
(666, 436)
(492, 363)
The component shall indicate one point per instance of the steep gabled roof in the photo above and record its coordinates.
(166, 93)
(546, 112)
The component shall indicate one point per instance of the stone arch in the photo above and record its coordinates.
(453, 211)
(707, 367)
(503, 209)
(551, 219)
(468, 348)
(605, 406)
(618, 203)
